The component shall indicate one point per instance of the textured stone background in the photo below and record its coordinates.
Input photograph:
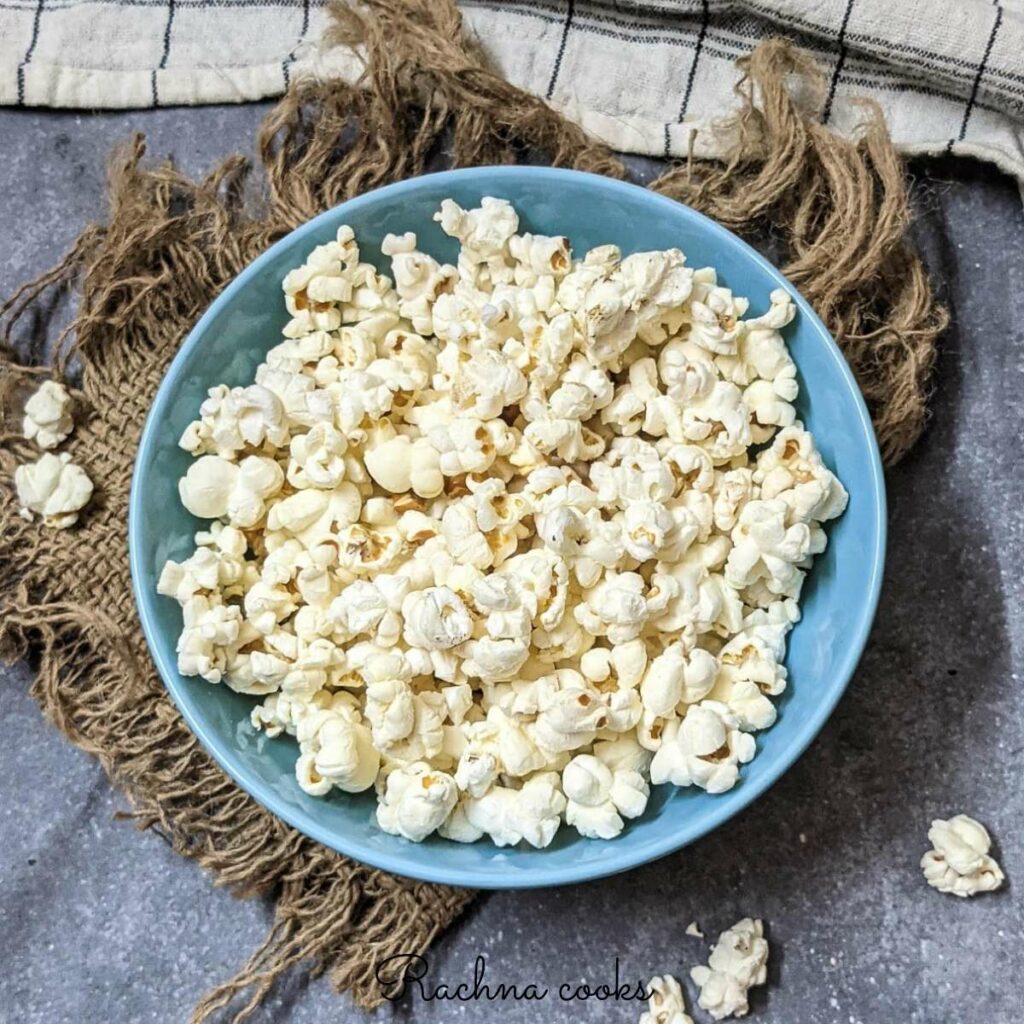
(100, 923)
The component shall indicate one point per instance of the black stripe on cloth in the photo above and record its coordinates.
(561, 49)
(290, 59)
(28, 53)
(868, 73)
(164, 55)
(865, 81)
(705, 17)
(972, 100)
(840, 61)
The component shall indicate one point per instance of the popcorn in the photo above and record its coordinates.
(599, 798)
(648, 527)
(318, 457)
(765, 548)
(538, 255)
(793, 471)
(495, 660)
(509, 740)
(750, 672)
(209, 635)
(568, 712)
(416, 801)
(673, 677)
(625, 753)
(666, 1004)
(279, 713)
(733, 489)
(738, 962)
(716, 324)
(214, 488)
(469, 445)
(719, 422)
(391, 710)
(510, 816)
(491, 537)
(960, 862)
(425, 738)
(236, 419)
(363, 607)
(616, 608)
(705, 749)
(484, 232)
(337, 749)
(48, 418)
(216, 565)
(366, 550)
(400, 465)
(436, 619)
(54, 488)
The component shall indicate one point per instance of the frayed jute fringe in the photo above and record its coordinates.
(838, 209)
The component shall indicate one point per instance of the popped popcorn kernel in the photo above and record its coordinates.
(960, 862)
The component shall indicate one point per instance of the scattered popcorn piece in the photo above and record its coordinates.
(54, 488)
(666, 1004)
(48, 418)
(960, 862)
(694, 929)
(491, 537)
(738, 962)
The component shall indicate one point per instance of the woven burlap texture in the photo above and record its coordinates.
(838, 210)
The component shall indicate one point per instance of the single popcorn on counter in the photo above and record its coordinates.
(54, 488)
(666, 1004)
(738, 962)
(960, 862)
(48, 418)
(507, 540)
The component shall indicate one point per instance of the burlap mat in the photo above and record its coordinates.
(836, 209)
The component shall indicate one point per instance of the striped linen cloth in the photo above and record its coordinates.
(640, 74)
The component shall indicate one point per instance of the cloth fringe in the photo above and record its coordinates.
(838, 209)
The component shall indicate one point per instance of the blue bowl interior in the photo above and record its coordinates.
(231, 339)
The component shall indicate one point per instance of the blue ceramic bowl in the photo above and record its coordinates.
(230, 340)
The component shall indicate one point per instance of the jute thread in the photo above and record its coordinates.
(837, 207)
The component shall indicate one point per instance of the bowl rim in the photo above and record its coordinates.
(222, 749)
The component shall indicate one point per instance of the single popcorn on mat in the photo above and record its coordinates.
(505, 541)
(54, 488)
(960, 862)
(48, 419)
(738, 962)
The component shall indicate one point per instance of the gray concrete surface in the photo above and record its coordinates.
(99, 923)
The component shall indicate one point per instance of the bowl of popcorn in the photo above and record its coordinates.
(507, 527)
